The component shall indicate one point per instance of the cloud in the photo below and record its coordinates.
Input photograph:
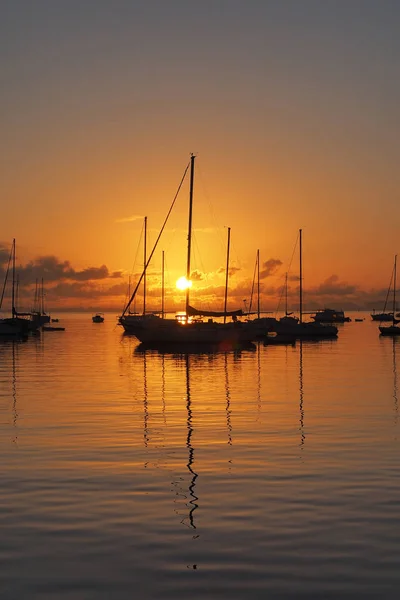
(130, 219)
(196, 275)
(52, 269)
(4, 254)
(333, 287)
(270, 267)
(84, 290)
(232, 270)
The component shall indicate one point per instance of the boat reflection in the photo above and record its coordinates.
(184, 349)
(395, 341)
(192, 504)
(301, 393)
(145, 404)
(9, 358)
(228, 402)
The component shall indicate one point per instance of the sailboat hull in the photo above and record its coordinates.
(390, 330)
(154, 330)
(14, 326)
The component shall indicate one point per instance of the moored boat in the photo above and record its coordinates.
(191, 329)
(393, 329)
(303, 330)
(330, 315)
(98, 318)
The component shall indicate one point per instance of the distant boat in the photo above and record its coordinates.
(98, 318)
(55, 320)
(14, 325)
(383, 316)
(359, 320)
(330, 315)
(392, 329)
(310, 330)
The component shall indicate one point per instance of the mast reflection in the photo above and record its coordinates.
(228, 402)
(192, 504)
(145, 403)
(301, 407)
(14, 389)
(394, 369)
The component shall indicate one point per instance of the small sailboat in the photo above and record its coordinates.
(392, 329)
(98, 318)
(14, 325)
(304, 330)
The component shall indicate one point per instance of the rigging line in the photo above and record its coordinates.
(252, 287)
(6, 277)
(388, 290)
(156, 242)
(288, 271)
(139, 245)
(214, 219)
(132, 271)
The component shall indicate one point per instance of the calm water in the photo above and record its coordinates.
(273, 472)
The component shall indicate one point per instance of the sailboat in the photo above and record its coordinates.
(13, 325)
(304, 330)
(188, 328)
(392, 329)
(38, 316)
(384, 315)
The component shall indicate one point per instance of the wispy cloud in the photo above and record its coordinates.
(130, 219)
(270, 267)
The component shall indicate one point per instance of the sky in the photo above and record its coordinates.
(291, 108)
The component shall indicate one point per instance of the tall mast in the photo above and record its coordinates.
(42, 307)
(162, 285)
(35, 298)
(144, 265)
(301, 276)
(189, 247)
(227, 273)
(286, 292)
(258, 283)
(13, 280)
(394, 289)
(129, 291)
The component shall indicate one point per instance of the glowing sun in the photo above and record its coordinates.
(183, 283)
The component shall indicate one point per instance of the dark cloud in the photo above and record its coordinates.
(4, 255)
(270, 267)
(52, 270)
(84, 290)
(333, 287)
(196, 276)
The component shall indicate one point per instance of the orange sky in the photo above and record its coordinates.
(290, 109)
